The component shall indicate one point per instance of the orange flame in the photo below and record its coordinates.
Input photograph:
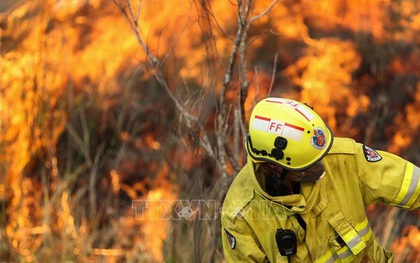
(55, 50)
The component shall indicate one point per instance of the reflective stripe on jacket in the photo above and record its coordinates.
(337, 229)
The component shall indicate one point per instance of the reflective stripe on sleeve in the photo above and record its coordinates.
(345, 253)
(410, 188)
(354, 242)
(328, 257)
(364, 230)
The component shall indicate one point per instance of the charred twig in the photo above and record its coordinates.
(191, 121)
(273, 74)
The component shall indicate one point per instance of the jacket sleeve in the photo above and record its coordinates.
(240, 243)
(387, 178)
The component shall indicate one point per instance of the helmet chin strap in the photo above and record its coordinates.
(283, 175)
(292, 187)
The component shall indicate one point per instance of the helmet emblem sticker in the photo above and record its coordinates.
(371, 155)
(318, 140)
(231, 240)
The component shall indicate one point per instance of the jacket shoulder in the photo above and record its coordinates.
(240, 193)
(343, 146)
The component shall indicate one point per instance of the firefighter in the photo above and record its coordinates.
(301, 196)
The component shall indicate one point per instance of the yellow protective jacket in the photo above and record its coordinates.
(337, 229)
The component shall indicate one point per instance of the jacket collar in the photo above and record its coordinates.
(296, 203)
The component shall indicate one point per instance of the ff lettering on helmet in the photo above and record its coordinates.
(286, 130)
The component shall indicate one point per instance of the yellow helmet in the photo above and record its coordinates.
(287, 132)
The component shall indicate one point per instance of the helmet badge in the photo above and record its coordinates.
(318, 140)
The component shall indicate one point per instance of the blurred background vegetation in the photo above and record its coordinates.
(90, 122)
